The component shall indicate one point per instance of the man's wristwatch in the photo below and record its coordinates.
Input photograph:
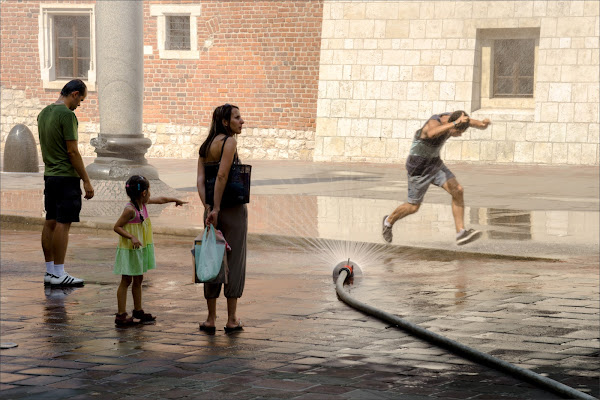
(454, 122)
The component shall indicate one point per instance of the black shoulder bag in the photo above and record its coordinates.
(237, 188)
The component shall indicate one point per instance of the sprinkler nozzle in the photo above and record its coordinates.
(349, 266)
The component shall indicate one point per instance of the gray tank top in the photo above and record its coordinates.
(424, 155)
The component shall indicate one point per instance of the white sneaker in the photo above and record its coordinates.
(65, 280)
(47, 278)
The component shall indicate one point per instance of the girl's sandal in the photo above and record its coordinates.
(123, 320)
(143, 317)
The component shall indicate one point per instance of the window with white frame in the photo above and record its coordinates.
(177, 30)
(67, 44)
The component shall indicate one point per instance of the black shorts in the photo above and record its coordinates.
(62, 198)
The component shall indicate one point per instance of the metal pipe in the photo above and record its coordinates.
(458, 348)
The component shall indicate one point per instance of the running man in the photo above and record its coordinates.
(424, 167)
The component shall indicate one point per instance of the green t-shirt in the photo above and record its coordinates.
(56, 125)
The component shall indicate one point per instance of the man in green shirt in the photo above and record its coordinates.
(64, 168)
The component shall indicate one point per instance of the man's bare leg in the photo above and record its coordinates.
(458, 203)
(463, 236)
(402, 211)
(60, 242)
(47, 234)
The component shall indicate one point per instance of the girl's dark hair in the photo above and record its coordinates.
(455, 116)
(216, 126)
(76, 85)
(134, 187)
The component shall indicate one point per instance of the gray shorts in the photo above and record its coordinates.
(418, 184)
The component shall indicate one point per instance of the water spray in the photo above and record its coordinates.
(344, 272)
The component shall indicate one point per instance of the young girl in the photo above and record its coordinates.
(135, 251)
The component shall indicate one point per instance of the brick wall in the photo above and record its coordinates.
(264, 58)
(20, 63)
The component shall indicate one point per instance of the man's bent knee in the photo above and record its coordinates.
(413, 208)
(454, 188)
(458, 192)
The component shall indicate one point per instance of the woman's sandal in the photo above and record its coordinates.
(142, 316)
(208, 329)
(236, 328)
(123, 320)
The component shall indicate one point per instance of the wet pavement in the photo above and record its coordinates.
(527, 292)
(299, 340)
(534, 211)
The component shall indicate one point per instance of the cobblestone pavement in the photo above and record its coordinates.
(299, 340)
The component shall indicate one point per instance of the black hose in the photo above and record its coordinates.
(458, 348)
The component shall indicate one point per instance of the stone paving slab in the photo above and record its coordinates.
(300, 341)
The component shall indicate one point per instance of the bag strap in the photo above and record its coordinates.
(223, 148)
(235, 156)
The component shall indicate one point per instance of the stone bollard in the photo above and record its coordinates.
(20, 151)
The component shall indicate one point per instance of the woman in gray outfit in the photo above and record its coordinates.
(220, 148)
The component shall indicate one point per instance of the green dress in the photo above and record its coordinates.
(130, 261)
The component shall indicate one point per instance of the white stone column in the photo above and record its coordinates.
(121, 144)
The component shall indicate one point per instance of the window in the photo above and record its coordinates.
(67, 44)
(177, 30)
(72, 44)
(178, 33)
(504, 70)
(513, 67)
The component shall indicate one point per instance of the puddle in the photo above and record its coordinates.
(351, 218)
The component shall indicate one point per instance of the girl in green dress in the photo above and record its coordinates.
(135, 251)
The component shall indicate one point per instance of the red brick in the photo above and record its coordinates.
(250, 39)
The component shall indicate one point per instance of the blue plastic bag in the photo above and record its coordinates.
(209, 256)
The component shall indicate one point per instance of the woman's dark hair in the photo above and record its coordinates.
(216, 126)
(134, 187)
(76, 85)
(455, 116)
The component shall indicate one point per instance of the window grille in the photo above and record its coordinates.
(514, 65)
(178, 33)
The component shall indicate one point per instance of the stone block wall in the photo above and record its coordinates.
(262, 56)
(341, 80)
(386, 66)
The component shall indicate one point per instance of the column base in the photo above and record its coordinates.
(120, 157)
(120, 170)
